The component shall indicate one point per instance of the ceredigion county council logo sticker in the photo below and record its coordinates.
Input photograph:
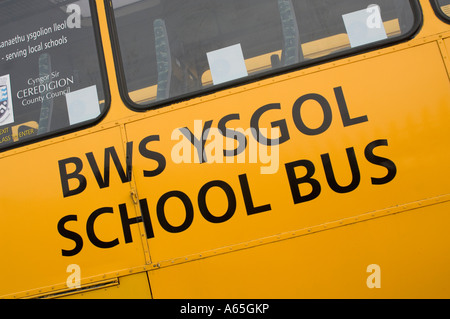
(6, 110)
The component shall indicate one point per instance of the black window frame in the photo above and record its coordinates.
(105, 87)
(438, 11)
(121, 79)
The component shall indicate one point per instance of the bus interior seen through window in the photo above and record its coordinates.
(444, 6)
(180, 47)
(51, 74)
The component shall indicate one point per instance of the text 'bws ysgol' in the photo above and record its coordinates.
(240, 187)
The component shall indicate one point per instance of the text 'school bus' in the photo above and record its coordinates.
(225, 149)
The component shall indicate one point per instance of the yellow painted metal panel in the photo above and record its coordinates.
(398, 111)
(410, 249)
(129, 287)
(446, 54)
(404, 112)
(32, 206)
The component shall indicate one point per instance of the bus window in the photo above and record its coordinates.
(50, 73)
(442, 8)
(175, 49)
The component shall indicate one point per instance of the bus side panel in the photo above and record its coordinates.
(45, 233)
(361, 136)
(129, 287)
(400, 256)
(447, 57)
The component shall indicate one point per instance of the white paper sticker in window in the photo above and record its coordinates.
(82, 105)
(364, 26)
(227, 64)
(6, 107)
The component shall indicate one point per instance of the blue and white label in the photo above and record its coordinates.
(6, 107)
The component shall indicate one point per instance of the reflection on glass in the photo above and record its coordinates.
(174, 48)
(48, 61)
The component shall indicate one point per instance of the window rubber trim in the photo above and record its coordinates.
(417, 25)
(105, 86)
(438, 11)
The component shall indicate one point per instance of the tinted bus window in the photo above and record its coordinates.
(50, 74)
(173, 49)
(444, 8)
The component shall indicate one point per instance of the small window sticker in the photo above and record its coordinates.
(6, 107)
(364, 26)
(227, 64)
(83, 105)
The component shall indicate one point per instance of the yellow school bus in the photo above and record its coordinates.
(224, 149)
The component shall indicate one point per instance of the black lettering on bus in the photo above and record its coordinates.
(381, 161)
(63, 231)
(248, 200)
(145, 213)
(331, 178)
(127, 222)
(231, 197)
(110, 152)
(198, 144)
(345, 115)
(238, 136)
(160, 212)
(297, 116)
(281, 124)
(295, 181)
(90, 229)
(158, 157)
(75, 175)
